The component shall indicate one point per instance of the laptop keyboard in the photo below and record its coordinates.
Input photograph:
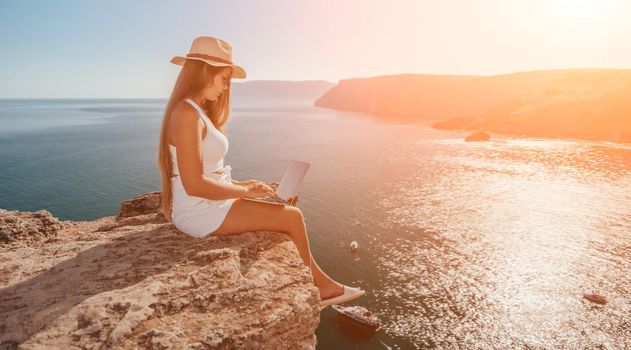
(274, 199)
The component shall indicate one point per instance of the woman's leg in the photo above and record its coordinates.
(245, 216)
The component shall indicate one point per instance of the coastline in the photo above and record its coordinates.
(586, 104)
(431, 123)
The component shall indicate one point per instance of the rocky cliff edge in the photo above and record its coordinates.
(135, 281)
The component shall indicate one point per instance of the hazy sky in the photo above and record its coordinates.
(122, 48)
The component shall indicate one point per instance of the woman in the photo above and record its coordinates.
(198, 193)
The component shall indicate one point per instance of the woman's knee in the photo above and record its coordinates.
(294, 210)
(294, 216)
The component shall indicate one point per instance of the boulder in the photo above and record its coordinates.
(27, 227)
(478, 136)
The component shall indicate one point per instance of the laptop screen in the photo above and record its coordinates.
(295, 173)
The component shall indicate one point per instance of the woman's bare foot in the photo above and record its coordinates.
(331, 290)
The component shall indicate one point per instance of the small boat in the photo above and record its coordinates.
(359, 314)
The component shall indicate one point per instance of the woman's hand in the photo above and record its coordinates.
(258, 189)
(293, 200)
(249, 182)
(244, 183)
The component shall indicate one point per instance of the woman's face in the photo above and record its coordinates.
(218, 85)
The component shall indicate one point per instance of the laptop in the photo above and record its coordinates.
(288, 185)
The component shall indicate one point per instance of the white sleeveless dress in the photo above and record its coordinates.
(197, 216)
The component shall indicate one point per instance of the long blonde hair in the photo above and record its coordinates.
(193, 78)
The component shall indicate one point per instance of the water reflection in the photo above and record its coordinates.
(505, 238)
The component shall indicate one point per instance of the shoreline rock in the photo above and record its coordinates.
(135, 281)
(478, 136)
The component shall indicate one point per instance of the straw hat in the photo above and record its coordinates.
(213, 51)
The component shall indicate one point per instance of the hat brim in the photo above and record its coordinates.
(238, 71)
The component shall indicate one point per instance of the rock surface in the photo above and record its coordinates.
(135, 281)
(27, 226)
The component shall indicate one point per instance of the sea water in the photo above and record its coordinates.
(462, 244)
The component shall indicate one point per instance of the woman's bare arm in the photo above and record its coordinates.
(240, 183)
(188, 128)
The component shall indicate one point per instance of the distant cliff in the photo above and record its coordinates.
(134, 281)
(593, 104)
(280, 89)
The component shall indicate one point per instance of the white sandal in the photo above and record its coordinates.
(349, 294)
